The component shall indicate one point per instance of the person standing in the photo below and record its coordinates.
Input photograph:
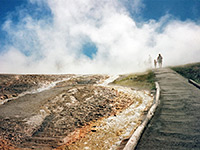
(150, 62)
(155, 63)
(159, 60)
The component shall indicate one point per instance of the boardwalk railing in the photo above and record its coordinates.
(194, 83)
(131, 144)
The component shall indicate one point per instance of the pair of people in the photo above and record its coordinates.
(159, 61)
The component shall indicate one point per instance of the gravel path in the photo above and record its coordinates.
(176, 123)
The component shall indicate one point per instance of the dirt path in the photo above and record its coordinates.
(176, 123)
(64, 113)
(29, 104)
(29, 114)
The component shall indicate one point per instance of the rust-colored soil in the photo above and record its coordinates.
(58, 116)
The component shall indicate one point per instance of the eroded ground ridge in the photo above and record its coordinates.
(79, 107)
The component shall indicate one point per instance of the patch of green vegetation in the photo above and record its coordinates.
(190, 71)
(139, 81)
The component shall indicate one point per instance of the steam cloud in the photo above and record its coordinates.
(54, 44)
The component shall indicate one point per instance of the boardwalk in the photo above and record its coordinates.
(176, 123)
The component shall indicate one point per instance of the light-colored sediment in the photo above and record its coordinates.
(41, 87)
(107, 133)
(82, 112)
(131, 144)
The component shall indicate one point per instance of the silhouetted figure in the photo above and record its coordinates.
(159, 60)
(155, 63)
(150, 62)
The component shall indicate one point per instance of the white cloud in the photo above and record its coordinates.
(180, 43)
(137, 5)
(13, 61)
(43, 46)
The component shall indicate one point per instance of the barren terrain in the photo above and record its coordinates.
(67, 111)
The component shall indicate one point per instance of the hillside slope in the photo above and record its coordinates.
(190, 71)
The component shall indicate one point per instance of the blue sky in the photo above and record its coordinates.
(152, 9)
(15, 10)
(181, 9)
(31, 29)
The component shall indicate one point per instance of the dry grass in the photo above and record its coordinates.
(190, 71)
(142, 81)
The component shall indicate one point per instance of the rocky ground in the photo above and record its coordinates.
(60, 115)
(13, 85)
